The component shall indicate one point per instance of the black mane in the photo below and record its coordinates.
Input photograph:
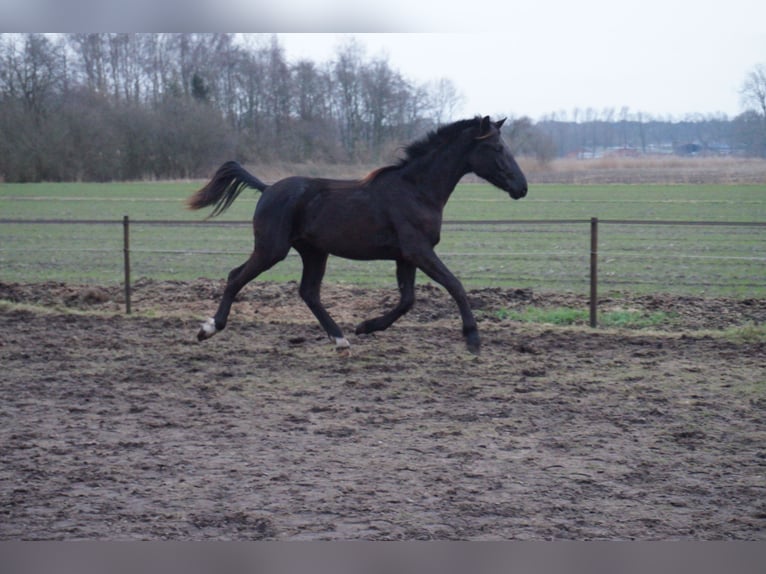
(436, 138)
(422, 147)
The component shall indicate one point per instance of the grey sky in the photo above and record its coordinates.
(660, 57)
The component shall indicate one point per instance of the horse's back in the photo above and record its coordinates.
(299, 192)
(296, 186)
(300, 199)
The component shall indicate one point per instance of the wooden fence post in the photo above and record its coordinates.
(126, 259)
(594, 272)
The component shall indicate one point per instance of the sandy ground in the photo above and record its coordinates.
(125, 427)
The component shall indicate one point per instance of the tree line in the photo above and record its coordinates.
(115, 106)
(129, 106)
(588, 133)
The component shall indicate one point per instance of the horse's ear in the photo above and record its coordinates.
(485, 128)
(499, 124)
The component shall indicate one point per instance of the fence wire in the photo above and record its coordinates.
(715, 258)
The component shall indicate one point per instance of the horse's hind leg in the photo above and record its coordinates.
(314, 265)
(405, 276)
(259, 261)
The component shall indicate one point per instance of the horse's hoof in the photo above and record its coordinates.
(341, 343)
(207, 330)
(473, 342)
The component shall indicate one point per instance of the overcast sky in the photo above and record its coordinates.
(661, 57)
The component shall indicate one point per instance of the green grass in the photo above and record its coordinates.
(569, 316)
(557, 316)
(749, 333)
(165, 200)
(712, 261)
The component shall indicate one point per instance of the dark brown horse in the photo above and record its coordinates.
(394, 213)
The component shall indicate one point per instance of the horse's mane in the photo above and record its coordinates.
(422, 147)
(436, 138)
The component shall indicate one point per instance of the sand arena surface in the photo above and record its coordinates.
(118, 427)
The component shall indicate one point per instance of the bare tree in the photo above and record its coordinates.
(752, 124)
(346, 78)
(753, 90)
(33, 70)
(445, 100)
(379, 88)
(92, 59)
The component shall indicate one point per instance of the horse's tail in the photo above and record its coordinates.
(227, 183)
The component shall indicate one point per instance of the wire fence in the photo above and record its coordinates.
(713, 258)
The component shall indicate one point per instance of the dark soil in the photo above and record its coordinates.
(124, 427)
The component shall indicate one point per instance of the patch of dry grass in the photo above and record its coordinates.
(649, 170)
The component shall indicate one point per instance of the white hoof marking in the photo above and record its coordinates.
(341, 343)
(209, 327)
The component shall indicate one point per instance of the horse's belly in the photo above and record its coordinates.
(359, 245)
(353, 236)
(350, 252)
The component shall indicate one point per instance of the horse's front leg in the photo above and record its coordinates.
(431, 265)
(405, 276)
(314, 265)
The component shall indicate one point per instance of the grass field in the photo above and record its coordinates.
(709, 260)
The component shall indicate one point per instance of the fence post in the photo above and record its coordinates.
(126, 259)
(594, 272)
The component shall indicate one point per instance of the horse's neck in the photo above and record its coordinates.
(442, 176)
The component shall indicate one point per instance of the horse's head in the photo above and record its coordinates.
(491, 159)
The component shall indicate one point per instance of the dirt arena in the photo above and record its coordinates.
(125, 427)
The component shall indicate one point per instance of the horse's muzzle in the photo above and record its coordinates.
(518, 191)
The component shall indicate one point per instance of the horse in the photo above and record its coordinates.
(394, 213)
